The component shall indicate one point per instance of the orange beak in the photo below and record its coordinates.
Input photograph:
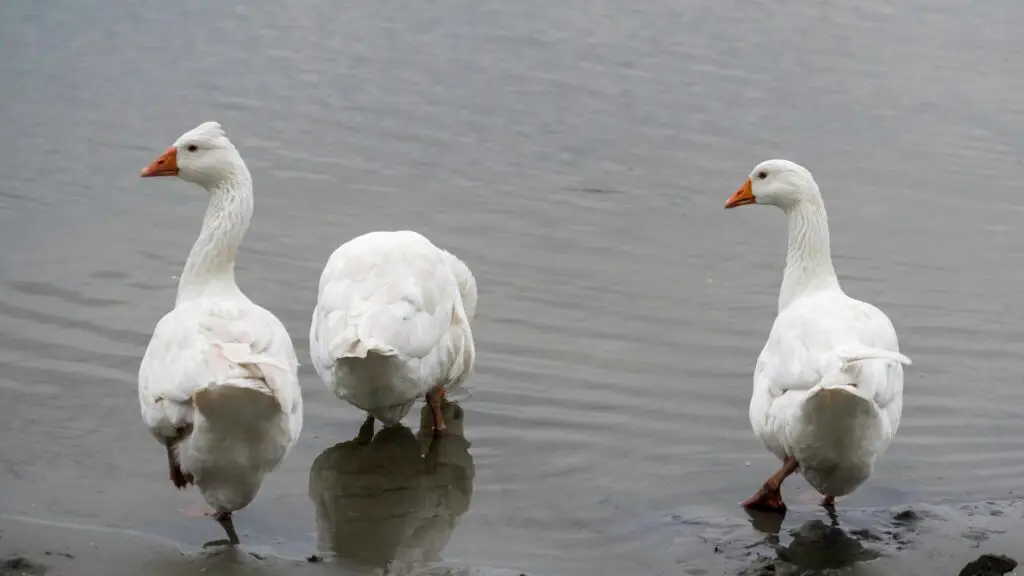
(741, 197)
(165, 165)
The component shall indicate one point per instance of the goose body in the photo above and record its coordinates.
(828, 385)
(218, 384)
(825, 398)
(392, 324)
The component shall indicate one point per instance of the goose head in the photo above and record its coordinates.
(779, 183)
(203, 156)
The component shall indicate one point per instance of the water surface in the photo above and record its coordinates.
(577, 156)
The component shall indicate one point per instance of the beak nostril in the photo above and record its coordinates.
(165, 165)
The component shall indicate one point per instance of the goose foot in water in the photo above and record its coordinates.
(769, 497)
(434, 399)
(222, 518)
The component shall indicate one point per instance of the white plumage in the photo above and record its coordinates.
(392, 323)
(828, 385)
(218, 384)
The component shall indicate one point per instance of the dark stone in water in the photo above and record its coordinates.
(13, 562)
(907, 516)
(989, 565)
(19, 566)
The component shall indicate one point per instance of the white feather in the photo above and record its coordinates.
(828, 385)
(218, 382)
(391, 323)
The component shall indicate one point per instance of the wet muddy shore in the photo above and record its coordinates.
(979, 539)
(905, 540)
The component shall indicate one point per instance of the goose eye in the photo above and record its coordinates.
(192, 148)
(762, 175)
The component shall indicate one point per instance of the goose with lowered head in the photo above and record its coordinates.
(828, 385)
(391, 324)
(218, 384)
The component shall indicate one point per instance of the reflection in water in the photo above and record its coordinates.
(908, 541)
(815, 545)
(392, 503)
(819, 546)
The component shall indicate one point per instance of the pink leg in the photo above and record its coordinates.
(434, 399)
(769, 497)
(829, 502)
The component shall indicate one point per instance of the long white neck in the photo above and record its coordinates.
(211, 263)
(809, 257)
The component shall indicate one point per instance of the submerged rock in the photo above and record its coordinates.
(989, 565)
(907, 516)
(19, 565)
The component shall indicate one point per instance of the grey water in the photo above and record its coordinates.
(577, 156)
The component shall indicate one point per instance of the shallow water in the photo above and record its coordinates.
(577, 156)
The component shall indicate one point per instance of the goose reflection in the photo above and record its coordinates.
(391, 501)
(814, 546)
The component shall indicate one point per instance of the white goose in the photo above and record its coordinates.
(828, 385)
(391, 324)
(218, 384)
